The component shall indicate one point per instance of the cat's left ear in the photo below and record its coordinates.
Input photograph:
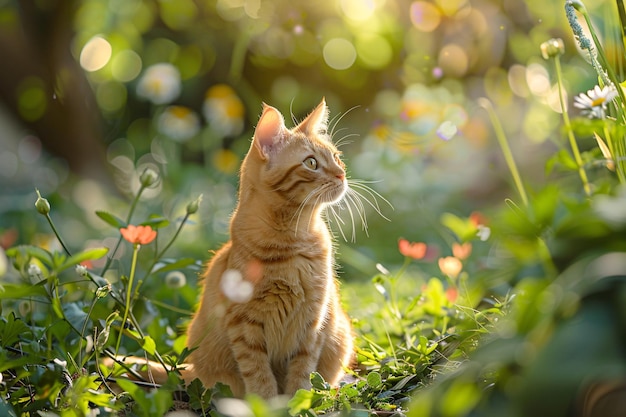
(269, 131)
(316, 122)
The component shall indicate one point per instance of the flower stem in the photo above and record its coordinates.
(56, 233)
(162, 252)
(119, 239)
(568, 128)
(506, 149)
(129, 290)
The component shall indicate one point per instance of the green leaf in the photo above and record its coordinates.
(563, 161)
(156, 222)
(6, 409)
(111, 219)
(301, 401)
(179, 264)
(11, 329)
(25, 253)
(199, 397)
(15, 291)
(374, 380)
(83, 256)
(463, 228)
(318, 382)
(130, 388)
(149, 345)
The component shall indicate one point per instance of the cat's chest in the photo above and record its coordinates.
(293, 299)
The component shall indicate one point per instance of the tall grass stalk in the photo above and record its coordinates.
(568, 127)
(506, 149)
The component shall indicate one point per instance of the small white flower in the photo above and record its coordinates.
(34, 272)
(62, 364)
(235, 288)
(88, 344)
(483, 232)
(160, 83)
(179, 123)
(81, 270)
(593, 104)
(175, 280)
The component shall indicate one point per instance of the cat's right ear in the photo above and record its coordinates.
(269, 131)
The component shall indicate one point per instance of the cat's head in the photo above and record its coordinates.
(299, 166)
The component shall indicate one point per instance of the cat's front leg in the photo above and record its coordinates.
(247, 342)
(301, 366)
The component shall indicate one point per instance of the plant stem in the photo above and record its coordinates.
(56, 233)
(82, 331)
(119, 239)
(162, 252)
(129, 289)
(617, 153)
(506, 150)
(568, 128)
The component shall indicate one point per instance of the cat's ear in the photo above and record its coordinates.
(316, 122)
(269, 131)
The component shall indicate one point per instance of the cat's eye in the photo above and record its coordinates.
(310, 163)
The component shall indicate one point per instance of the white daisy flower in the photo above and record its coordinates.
(160, 83)
(593, 104)
(223, 110)
(179, 123)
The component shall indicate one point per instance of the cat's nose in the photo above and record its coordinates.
(341, 176)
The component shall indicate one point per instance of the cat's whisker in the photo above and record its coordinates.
(300, 209)
(337, 118)
(375, 195)
(339, 221)
(293, 116)
(342, 141)
(361, 185)
(354, 197)
(351, 214)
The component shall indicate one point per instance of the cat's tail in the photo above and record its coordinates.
(151, 372)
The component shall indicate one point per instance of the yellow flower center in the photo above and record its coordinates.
(598, 102)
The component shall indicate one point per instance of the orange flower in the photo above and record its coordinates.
(450, 266)
(415, 250)
(477, 219)
(462, 251)
(452, 293)
(138, 235)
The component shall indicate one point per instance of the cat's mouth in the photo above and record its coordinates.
(336, 192)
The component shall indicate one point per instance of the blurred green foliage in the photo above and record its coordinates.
(533, 324)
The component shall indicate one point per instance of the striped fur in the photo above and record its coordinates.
(269, 339)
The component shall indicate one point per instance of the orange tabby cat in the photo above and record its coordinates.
(270, 312)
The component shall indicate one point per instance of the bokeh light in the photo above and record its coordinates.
(95, 54)
(374, 51)
(453, 60)
(126, 65)
(359, 10)
(425, 16)
(339, 53)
